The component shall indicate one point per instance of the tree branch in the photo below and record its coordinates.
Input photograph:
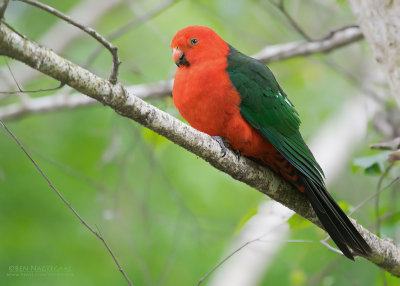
(111, 48)
(3, 7)
(384, 253)
(64, 100)
(380, 23)
(333, 40)
(60, 35)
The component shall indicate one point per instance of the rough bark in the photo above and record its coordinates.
(384, 253)
(380, 23)
(55, 102)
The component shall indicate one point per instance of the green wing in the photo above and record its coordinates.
(266, 107)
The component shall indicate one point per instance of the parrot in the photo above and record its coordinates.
(235, 98)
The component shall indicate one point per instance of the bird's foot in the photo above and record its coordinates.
(238, 154)
(221, 143)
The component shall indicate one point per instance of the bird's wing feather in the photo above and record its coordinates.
(266, 107)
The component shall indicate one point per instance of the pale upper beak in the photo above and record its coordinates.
(179, 57)
(177, 54)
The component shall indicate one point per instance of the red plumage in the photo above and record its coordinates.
(206, 98)
(206, 90)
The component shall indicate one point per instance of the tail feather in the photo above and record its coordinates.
(334, 220)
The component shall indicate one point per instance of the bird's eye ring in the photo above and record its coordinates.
(194, 41)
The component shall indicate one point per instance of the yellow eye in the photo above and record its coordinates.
(194, 41)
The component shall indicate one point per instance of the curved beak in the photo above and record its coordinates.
(179, 57)
(176, 53)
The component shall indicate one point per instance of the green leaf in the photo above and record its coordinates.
(252, 212)
(298, 222)
(372, 165)
(374, 169)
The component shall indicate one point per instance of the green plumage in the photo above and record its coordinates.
(266, 107)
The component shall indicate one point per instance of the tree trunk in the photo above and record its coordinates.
(380, 23)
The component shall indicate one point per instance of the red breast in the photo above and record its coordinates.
(205, 96)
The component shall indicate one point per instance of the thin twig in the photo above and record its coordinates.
(34, 90)
(68, 170)
(323, 241)
(12, 28)
(374, 195)
(24, 97)
(225, 259)
(12, 75)
(333, 32)
(281, 6)
(113, 49)
(97, 234)
(392, 144)
(385, 254)
(260, 238)
(143, 18)
(3, 7)
(243, 246)
(20, 90)
(378, 191)
(100, 236)
(331, 42)
(128, 26)
(164, 88)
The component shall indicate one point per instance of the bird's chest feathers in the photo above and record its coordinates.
(205, 97)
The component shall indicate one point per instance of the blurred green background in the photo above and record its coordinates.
(168, 216)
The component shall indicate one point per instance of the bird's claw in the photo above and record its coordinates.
(238, 154)
(221, 144)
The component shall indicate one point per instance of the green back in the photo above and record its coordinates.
(266, 107)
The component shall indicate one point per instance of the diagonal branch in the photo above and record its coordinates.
(333, 40)
(384, 253)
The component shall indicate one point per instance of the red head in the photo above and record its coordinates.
(195, 44)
